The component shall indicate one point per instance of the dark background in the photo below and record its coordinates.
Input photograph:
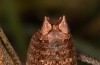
(21, 18)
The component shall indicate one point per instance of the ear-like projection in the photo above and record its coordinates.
(63, 25)
(46, 26)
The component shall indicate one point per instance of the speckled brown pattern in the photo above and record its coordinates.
(52, 46)
(9, 55)
(5, 59)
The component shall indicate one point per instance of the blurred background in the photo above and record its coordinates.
(21, 18)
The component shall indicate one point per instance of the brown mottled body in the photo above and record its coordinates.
(52, 46)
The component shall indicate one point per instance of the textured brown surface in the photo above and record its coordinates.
(5, 59)
(8, 54)
(88, 59)
(1, 57)
(52, 46)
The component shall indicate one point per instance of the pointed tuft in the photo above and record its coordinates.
(63, 25)
(46, 26)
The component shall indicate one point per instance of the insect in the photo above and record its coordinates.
(52, 45)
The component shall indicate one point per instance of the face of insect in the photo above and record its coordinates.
(53, 45)
(54, 32)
